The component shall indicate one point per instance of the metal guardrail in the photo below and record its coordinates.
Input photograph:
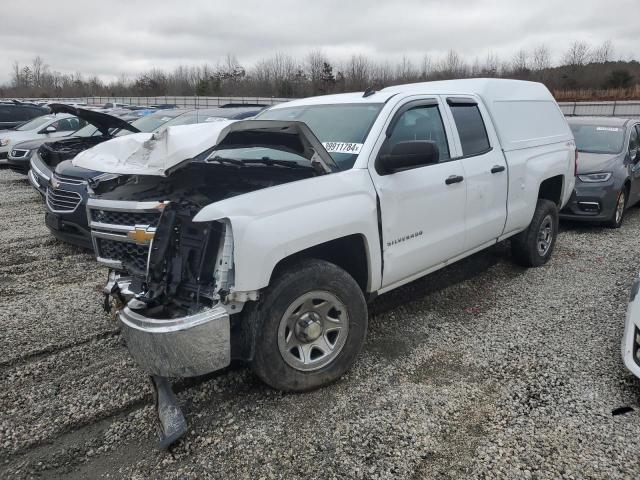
(179, 101)
(608, 109)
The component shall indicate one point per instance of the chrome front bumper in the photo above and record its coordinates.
(179, 347)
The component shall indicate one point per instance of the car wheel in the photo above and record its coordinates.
(618, 213)
(310, 323)
(534, 246)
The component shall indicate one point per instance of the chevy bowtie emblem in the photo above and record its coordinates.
(141, 235)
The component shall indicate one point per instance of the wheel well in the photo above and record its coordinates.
(349, 253)
(551, 189)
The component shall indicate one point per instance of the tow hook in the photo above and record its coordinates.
(171, 421)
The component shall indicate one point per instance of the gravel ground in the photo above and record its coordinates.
(481, 370)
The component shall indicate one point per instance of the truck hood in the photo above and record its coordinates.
(597, 162)
(101, 121)
(150, 153)
(160, 153)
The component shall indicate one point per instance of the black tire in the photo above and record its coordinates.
(266, 315)
(524, 246)
(616, 221)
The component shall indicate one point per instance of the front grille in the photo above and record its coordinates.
(68, 180)
(125, 218)
(19, 153)
(62, 200)
(129, 254)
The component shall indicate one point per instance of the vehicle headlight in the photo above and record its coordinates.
(4, 142)
(595, 177)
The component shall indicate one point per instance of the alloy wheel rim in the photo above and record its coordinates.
(545, 235)
(620, 207)
(313, 330)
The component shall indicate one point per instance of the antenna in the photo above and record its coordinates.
(368, 92)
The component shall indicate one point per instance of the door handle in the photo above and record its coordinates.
(497, 169)
(454, 179)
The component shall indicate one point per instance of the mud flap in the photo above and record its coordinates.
(171, 421)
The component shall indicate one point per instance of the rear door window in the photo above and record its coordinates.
(470, 125)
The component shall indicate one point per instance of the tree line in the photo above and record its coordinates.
(582, 68)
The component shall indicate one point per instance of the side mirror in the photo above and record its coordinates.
(409, 154)
(633, 154)
(49, 129)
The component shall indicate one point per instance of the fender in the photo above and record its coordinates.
(271, 224)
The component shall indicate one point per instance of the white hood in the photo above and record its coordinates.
(151, 153)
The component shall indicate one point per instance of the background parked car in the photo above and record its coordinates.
(46, 126)
(608, 180)
(66, 187)
(14, 114)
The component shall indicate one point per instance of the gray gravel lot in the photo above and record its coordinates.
(482, 370)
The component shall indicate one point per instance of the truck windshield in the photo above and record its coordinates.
(598, 139)
(342, 128)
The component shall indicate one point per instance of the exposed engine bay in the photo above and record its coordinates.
(55, 152)
(189, 265)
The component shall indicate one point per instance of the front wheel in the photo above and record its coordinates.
(311, 324)
(534, 246)
(618, 214)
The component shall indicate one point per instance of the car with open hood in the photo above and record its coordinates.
(59, 194)
(71, 224)
(608, 180)
(266, 246)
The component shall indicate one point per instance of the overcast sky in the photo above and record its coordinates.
(116, 37)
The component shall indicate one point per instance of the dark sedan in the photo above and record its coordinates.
(608, 175)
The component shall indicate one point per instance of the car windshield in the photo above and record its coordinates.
(33, 124)
(598, 139)
(148, 124)
(342, 128)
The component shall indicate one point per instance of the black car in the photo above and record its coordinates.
(66, 185)
(16, 113)
(62, 200)
(608, 169)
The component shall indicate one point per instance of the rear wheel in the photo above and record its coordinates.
(618, 213)
(311, 324)
(534, 246)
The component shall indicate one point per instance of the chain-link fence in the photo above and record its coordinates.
(178, 101)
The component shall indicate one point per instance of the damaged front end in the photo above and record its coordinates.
(179, 326)
(173, 278)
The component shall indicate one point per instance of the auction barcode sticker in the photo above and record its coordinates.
(607, 129)
(342, 147)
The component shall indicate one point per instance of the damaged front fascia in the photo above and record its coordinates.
(190, 264)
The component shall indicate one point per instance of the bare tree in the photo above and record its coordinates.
(541, 58)
(520, 64)
(577, 55)
(603, 53)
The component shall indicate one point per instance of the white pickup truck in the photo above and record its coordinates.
(267, 246)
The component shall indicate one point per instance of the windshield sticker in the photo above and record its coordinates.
(165, 119)
(342, 147)
(607, 129)
(214, 119)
